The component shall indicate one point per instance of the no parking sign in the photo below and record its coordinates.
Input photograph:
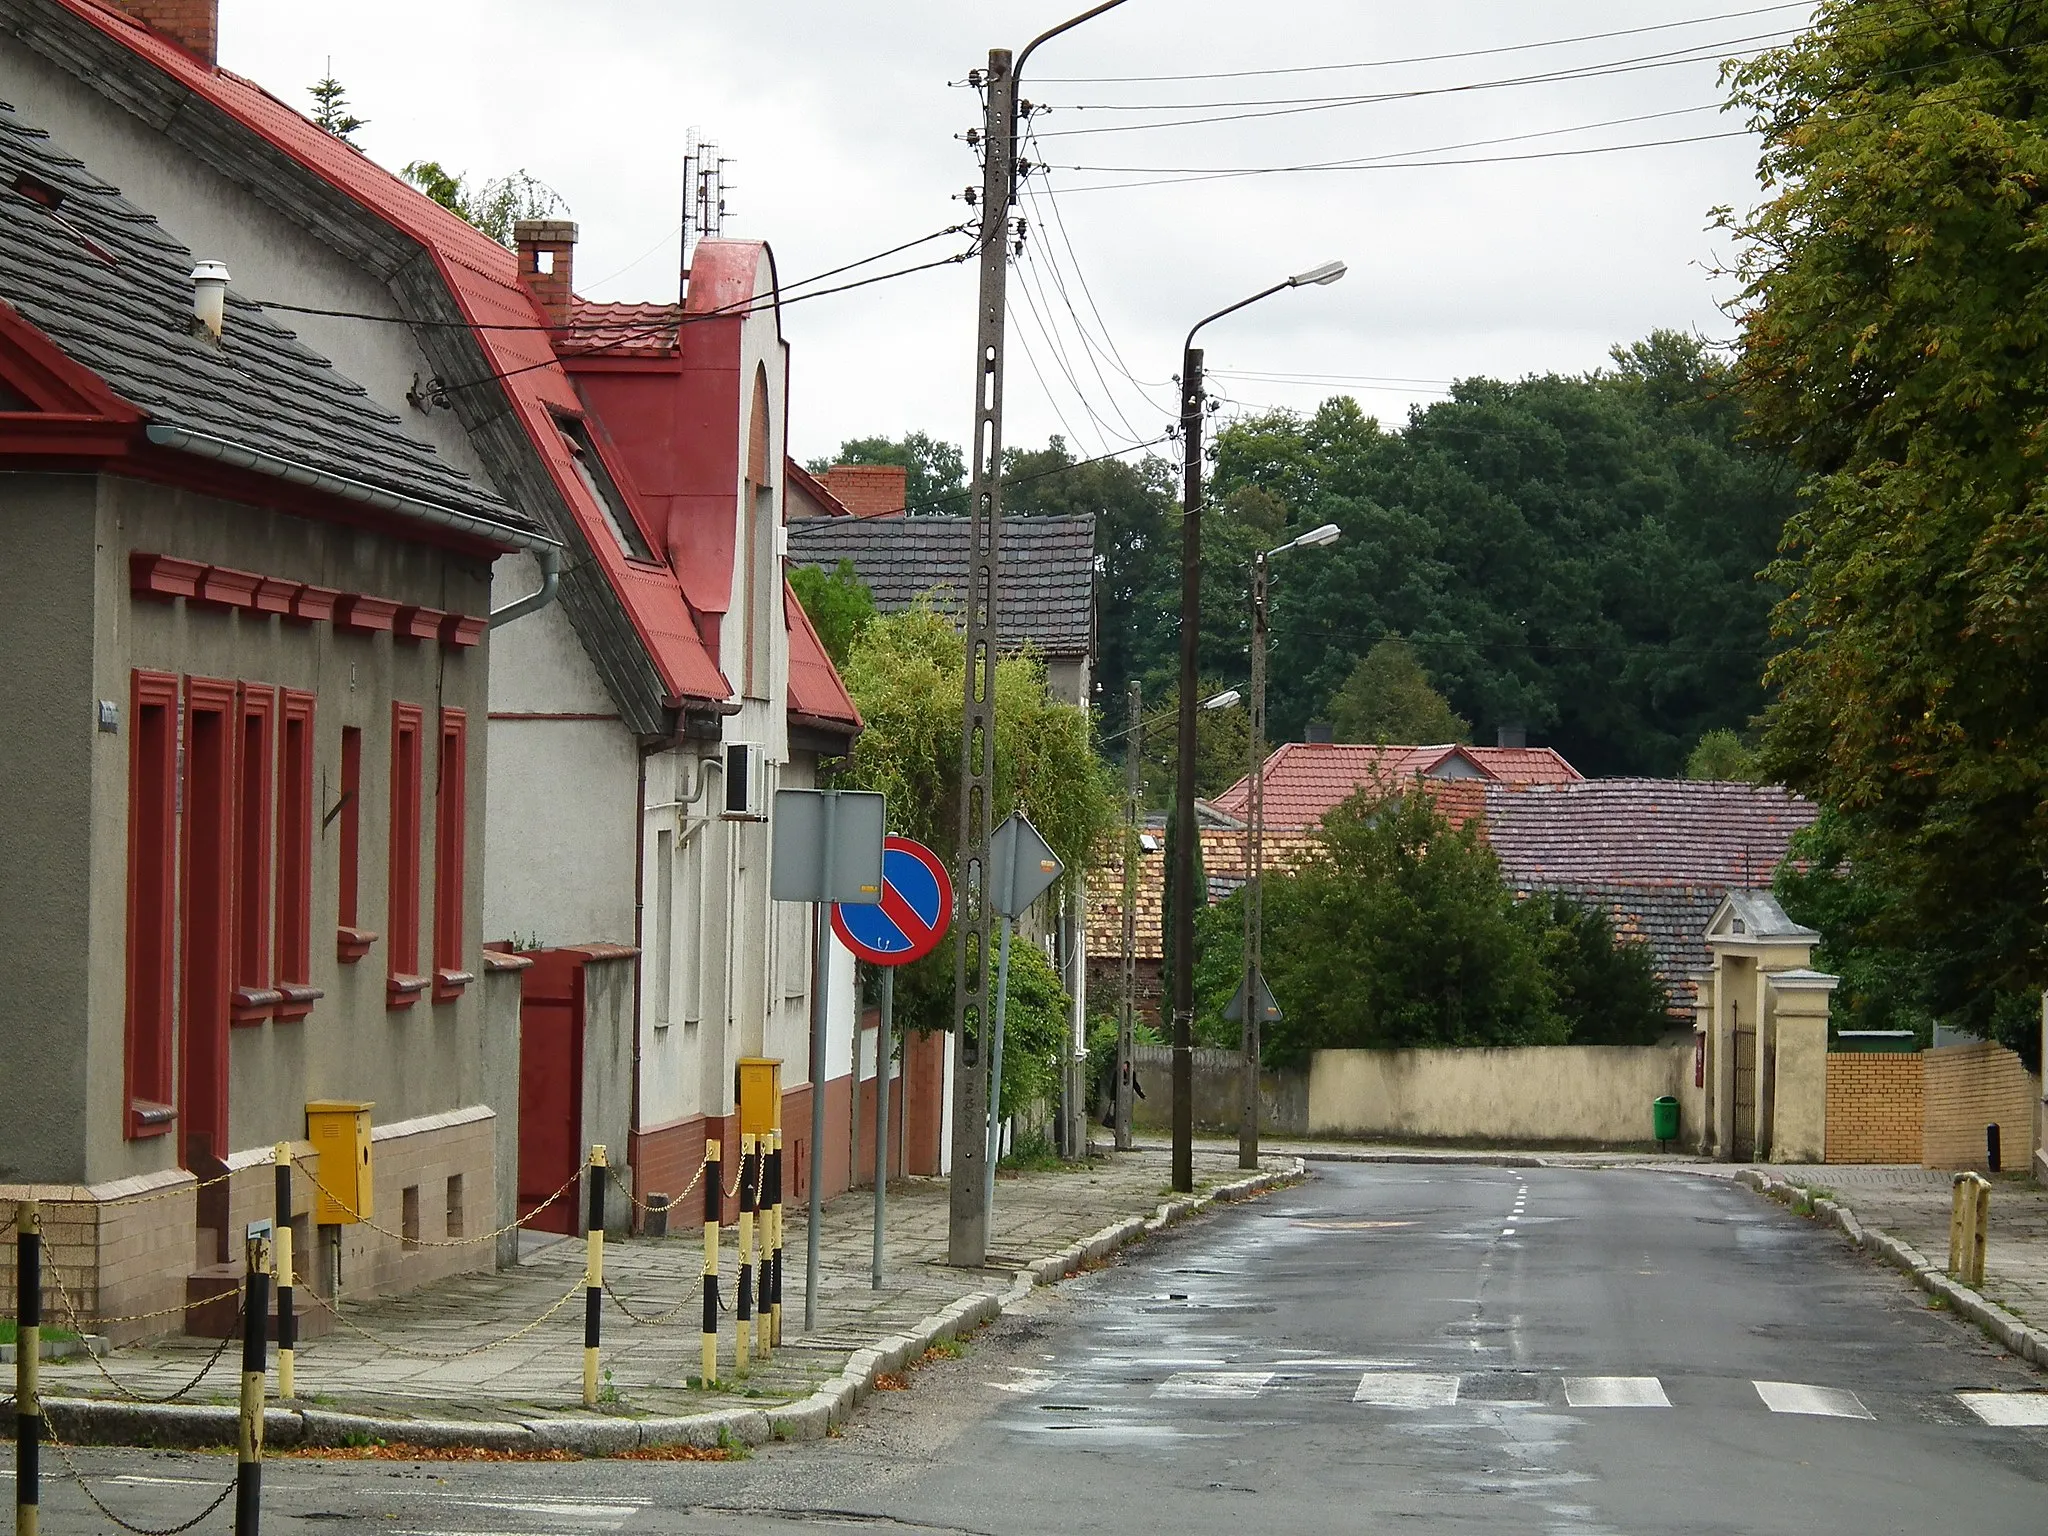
(910, 919)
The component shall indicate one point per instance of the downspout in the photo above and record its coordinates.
(635, 1221)
(550, 583)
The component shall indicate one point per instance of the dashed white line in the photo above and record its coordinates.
(1407, 1389)
(1820, 1402)
(1213, 1384)
(1615, 1392)
(2008, 1410)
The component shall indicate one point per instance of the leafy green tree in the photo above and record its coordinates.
(496, 207)
(1720, 754)
(1607, 989)
(935, 474)
(330, 107)
(1893, 313)
(1223, 743)
(839, 605)
(1169, 949)
(1388, 698)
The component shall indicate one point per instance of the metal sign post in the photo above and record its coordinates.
(1022, 868)
(828, 848)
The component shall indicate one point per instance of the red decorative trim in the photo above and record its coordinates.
(402, 890)
(274, 595)
(222, 587)
(314, 605)
(252, 1005)
(255, 778)
(411, 622)
(153, 736)
(295, 817)
(403, 991)
(451, 835)
(364, 615)
(351, 944)
(297, 1001)
(463, 629)
(164, 576)
(37, 368)
(449, 985)
(53, 434)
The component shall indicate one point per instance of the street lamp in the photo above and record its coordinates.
(1185, 831)
(1255, 850)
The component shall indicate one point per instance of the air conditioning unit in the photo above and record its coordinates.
(746, 781)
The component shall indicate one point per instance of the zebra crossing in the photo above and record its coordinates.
(1407, 1391)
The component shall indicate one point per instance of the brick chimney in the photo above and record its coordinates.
(547, 262)
(194, 25)
(868, 490)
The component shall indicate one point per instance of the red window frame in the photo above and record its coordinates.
(404, 984)
(154, 738)
(352, 942)
(254, 779)
(451, 827)
(293, 975)
(206, 906)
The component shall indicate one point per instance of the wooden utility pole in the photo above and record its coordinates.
(1126, 1022)
(1185, 830)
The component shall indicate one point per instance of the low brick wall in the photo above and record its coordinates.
(1875, 1108)
(1969, 1087)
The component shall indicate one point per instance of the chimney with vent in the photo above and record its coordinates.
(547, 261)
(869, 490)
(1320, 733)
(194, 25)
(1514, 734)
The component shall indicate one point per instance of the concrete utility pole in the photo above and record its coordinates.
(967, 1219)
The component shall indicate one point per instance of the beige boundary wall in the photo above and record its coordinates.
(1593, 1095)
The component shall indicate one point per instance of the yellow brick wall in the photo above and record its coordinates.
(1968, 1088)
(1875, 1109)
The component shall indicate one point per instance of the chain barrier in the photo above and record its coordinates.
(448, 1242)
(71, 1469)
(78, 1327)
(673, 1200)
(695, 1299)
(424, 1354)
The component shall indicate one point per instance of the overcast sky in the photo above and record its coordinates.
(843, 121)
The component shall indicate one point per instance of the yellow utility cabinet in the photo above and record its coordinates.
(760, 1095)
(340, 1132)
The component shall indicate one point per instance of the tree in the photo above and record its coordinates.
(1223, 743)
(1607, 990)
(838, 604)
(1893, 311)
(1387, 698)
(1720, 754)
(935, 474)
(496, 207)
(330, 107)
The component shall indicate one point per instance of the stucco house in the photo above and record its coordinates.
(640, 731)
(245, 615)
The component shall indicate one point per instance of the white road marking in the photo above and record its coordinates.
(1507, 1231)
(1822, 1402)
(1213, 1384)
(1615, 1392)
(1407, 1389)
(139, 1480)
(2008, 1410)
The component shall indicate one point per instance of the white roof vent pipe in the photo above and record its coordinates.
(210, 296)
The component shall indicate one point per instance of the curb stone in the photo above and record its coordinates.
(92, 1421)
(2016, 1337)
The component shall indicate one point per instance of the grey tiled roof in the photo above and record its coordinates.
(127, 316)
(1046, 573)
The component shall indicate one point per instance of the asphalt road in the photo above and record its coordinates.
(1388, 1348)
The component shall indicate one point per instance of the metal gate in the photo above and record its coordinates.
(1744, 1137)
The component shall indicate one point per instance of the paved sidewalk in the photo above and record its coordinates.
(417, 1356)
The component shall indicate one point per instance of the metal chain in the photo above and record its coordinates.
(85, 1488)
(142, 1317)
(433, 1242)
(70, 1312)
(635, 1317)
(424, 1354)
(673, 1200)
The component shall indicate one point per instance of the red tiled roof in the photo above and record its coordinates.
(483, 278)
(810, 485)
(621, 330)
(1305, 781)
(816, 695)
(1671, 832)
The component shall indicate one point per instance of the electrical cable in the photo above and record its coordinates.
(1031, 278)
(936, 504)
(1024, 346)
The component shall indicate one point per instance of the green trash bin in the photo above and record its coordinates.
(1664, 1118)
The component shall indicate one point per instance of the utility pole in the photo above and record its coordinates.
(967, 1218)
(1126, 1022)
(1254, 896)
(1182, 876)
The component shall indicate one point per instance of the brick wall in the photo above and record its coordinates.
(192, 24)
(1875, 1108)
(1968, 1088)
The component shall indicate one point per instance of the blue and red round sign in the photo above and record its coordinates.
(910, 919)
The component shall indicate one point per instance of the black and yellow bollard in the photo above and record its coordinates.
(593, 1275)
(743, 1293)
(713, 1193)
(764, 1274)
(775, 1259)
(255, 1349)
(28, 1348)
(287, 1325)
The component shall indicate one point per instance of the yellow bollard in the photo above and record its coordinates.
(713, 1190)
(28, 1349)
(287, 1323)
(593, 1276)
(743, 1295)
(775, 1193)
(249, 1432)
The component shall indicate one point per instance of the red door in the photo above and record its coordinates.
(551, 1086)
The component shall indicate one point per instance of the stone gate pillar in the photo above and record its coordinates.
(1798, 1001)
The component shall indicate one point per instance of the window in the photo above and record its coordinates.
(402, 899)
(293, 975)
(454, 1218)
(152, 895)
(451, 825)
(760, 611)
(409, 1217)
(353, 942)
(253, 997)
(590, 468)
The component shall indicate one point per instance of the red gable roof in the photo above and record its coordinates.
(483, 278)
(816, 695)
(1305, 781)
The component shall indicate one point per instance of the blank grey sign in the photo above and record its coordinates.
(858, 820)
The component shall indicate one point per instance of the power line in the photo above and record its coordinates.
(962, 494)
(1088, 346)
